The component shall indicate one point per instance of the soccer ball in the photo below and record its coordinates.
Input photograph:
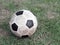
(23, 23)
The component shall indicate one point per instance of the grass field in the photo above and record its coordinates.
(47, 13)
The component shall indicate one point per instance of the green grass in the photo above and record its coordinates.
(48, 15)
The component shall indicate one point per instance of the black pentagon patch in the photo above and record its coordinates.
(29, 23)
(19, 13)
(25, 36)
(14, 27)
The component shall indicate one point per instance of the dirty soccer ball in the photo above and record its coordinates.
(23, 23)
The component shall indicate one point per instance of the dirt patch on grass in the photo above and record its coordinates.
(51, 15)
(4, 13)
(3, 32)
